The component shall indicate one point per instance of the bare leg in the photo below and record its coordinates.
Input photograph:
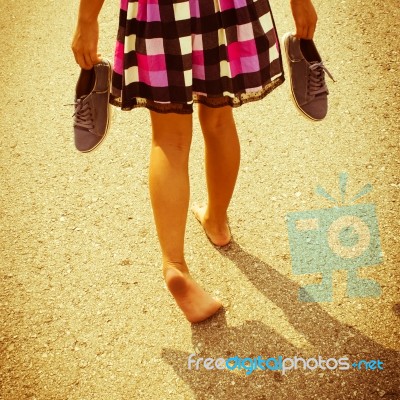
(222, 166)
(169, 191)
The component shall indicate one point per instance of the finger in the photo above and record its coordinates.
(297, 30)
(301, 29)
(95, 60)
(76, 58)
(312, 31)
(80, 60)
(301, 32)
(76, 55)
(87, 62)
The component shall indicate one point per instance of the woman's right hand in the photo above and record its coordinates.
(305, 18)
(84, 44)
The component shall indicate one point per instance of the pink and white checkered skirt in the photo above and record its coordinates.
(172, 53)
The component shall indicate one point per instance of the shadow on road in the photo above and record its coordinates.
(329, 338)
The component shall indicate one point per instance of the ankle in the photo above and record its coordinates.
(178, 265)
(214, 219)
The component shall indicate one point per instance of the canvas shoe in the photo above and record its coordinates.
(307, 77)
(92, 108)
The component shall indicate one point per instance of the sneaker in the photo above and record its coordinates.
(307, 77)
(92, 108)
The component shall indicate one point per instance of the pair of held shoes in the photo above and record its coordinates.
(92, 108)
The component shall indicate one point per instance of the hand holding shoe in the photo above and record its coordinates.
(84, 44)
(86, 37)
(305, 18)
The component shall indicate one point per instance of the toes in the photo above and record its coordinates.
(218, 239)
(214, 308)
(198, 211)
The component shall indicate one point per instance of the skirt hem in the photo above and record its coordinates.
(187, 108)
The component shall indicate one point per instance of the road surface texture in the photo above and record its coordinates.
(85, 314)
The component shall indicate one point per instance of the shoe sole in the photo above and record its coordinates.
(109, 109)
(285, 40)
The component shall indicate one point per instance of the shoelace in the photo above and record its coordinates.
(316, 82)
(83, 115)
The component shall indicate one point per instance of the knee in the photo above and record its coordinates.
(172, 141)
(215, 121)
(171, 134)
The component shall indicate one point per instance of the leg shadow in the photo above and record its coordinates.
(329, 337)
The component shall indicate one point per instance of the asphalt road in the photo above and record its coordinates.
(85, 313)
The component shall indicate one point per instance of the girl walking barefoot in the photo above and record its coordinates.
(170, 54)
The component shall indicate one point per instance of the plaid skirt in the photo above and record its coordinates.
(172, 53)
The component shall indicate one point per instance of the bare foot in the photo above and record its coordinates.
(196, 304)
(218, 235)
